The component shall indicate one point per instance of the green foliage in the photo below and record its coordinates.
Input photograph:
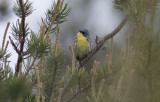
(38, 45)
(31, 98)
(83, 76)
(121, 4)
(142, 62)
(17, 31)
(97, 95)
(11, 88)
(58, 13)
(27, 6)
(54, 69)
(133, 9)
(26, 85)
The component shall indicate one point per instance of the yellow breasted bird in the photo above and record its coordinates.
(82, 44)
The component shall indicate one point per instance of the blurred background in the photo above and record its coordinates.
(98, 16)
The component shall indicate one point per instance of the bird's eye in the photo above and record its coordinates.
(84, 34)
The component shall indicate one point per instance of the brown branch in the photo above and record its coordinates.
(14, 46)
(96, 49)
(20, 55)
(25, 53)
(23, 18)
(78, 92)
(66, 85)
(101, 42)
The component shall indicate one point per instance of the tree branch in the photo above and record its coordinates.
(101, 42)
(88, 86)
(13, 44)
(30, 67)
(4, 37)
(23, 18)
(96, 49)
(51, 94)
(66, 85)
(20, 55)
(78, 92)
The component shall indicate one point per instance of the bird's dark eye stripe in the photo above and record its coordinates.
(82, 32)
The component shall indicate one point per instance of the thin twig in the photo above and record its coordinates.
(14, 46)
(78, 92)
(96, 49)
(111, 52)
(5, 50)
(31, 66)
(66, 85)
(4, 37)
(5, 66)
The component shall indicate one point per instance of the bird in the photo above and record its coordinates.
(82, 44)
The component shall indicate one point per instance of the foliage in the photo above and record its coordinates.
(140, 64)
(59, 15)
(53, 73)
(16, 31)
(38, 45)
(27, 6)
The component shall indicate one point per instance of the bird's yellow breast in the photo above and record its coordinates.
(82, 46)
(80, 37)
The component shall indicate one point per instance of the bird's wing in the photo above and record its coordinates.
(90, 42)
(75, 40)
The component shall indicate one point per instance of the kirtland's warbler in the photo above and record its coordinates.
(82, 44)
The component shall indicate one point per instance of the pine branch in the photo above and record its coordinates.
(4, 37)
(14, 46)
(101, 42)
(96, 49)
(48, 30)
(53, 79)
(20, 30)
(5, 50)
(20, 54)
(56, 15)
(51, 94)
(88, 86)
(23, 17)
(4, 47)
(30, 67)
(78, 92)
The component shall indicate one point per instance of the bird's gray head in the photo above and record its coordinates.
(85, 32)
